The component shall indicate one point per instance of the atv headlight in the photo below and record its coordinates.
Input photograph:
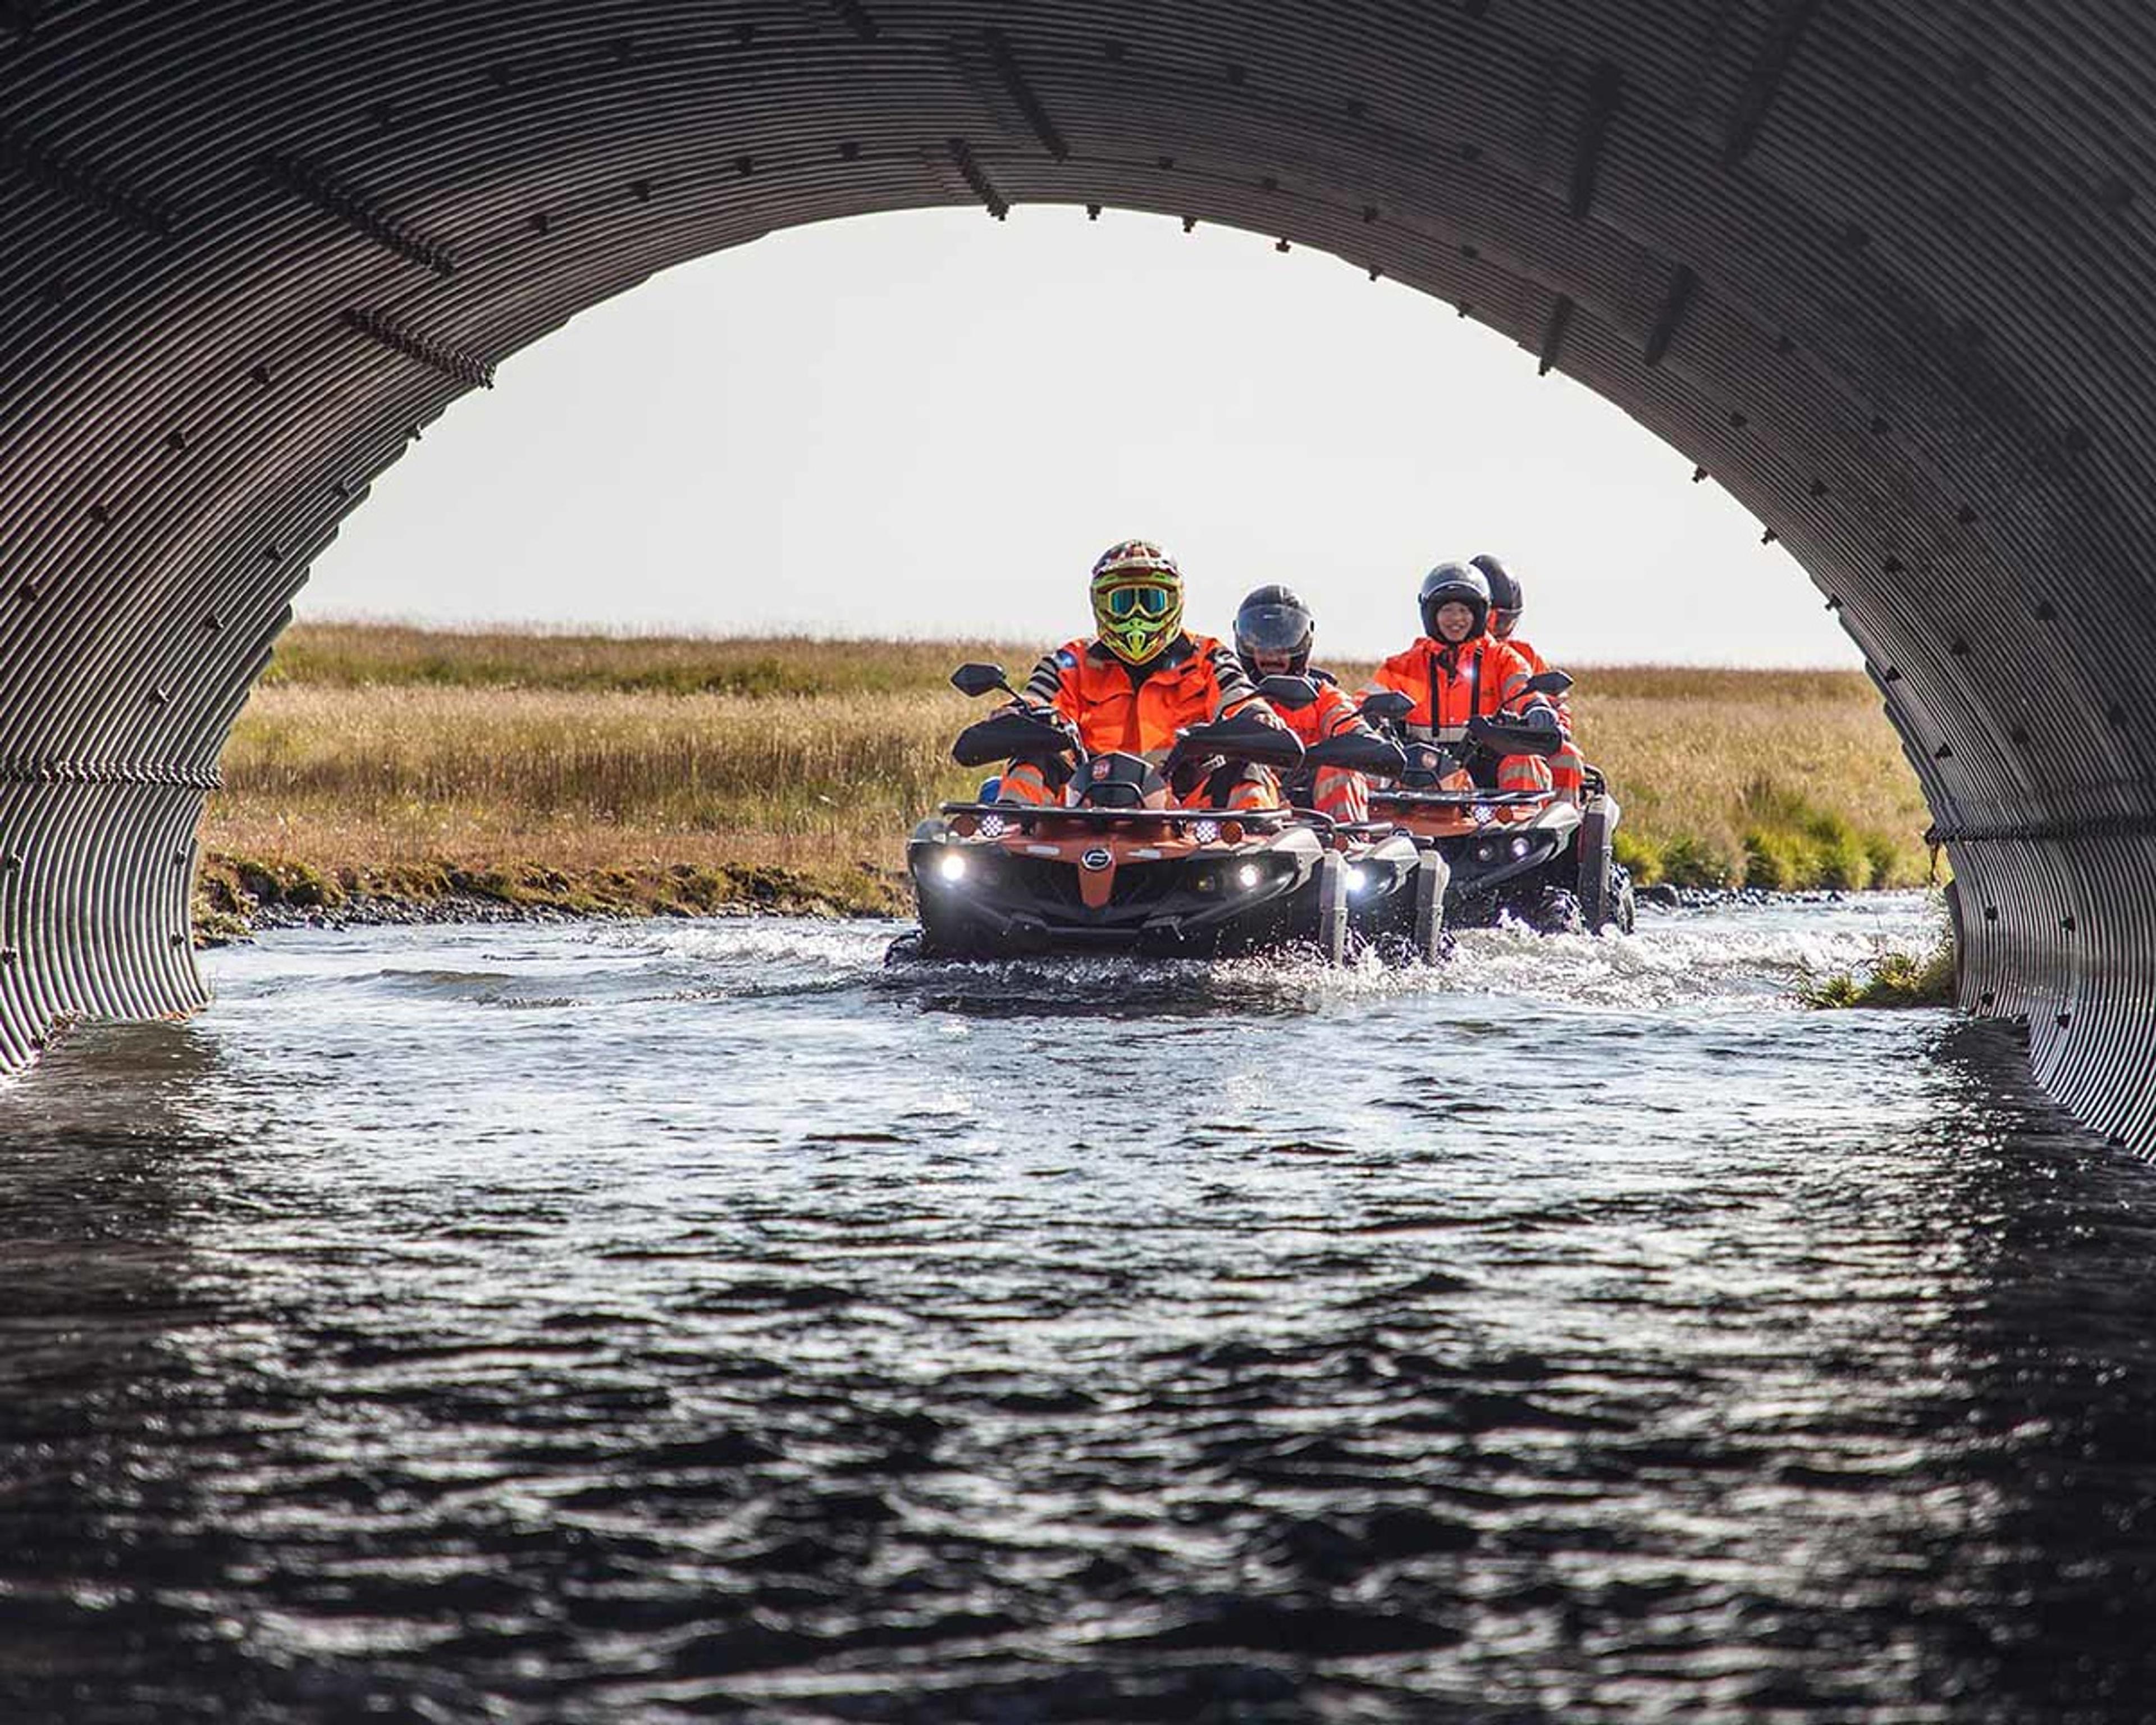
(950, 866)
(1249, 875)
(1358, 878)
(1204, 832)
(1520, 847)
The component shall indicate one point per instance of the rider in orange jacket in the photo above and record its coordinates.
(1142, 678)
(1274, 631)
(1507, 601)
(1455, 672)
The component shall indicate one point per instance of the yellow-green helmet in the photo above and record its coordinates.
(1137, 600)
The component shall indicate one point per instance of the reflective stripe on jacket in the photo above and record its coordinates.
(1139, 709)
(1333, 712)
(1451, 684)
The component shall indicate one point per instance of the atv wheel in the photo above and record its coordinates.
(1624, 914)
(1431, 876)
(1557, 912)
(1332, 908)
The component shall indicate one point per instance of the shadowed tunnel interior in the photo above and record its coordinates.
(1879, 268)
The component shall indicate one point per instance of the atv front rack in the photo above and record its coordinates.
(1025, 816)
(1460, 799)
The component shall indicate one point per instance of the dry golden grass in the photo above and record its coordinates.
(377, 748)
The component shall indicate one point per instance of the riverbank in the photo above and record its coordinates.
(383, 772)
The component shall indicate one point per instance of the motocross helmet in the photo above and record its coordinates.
(1451, 584)
(1507, 601)
(1272, 629)
(1137, 600)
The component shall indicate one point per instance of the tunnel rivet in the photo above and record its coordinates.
(624, 49)
(1470, 152)
(2115, 716)
(1944, 751)
(744, 166)
(1892, 566)
(849, 151)
(1369, 213)
(383, 114)
(1893, 674)
(1991, 913)
(1966, 515)
(175, 440)
(159, 696)
(1737, 421)
(1236, 74)
(1879, 425)
(263, 375)
(1854, 237)
(1833, 601)
(1785, 345)
(540, 221)
(1092, 211)
(1698, 474)
(1114, 51)
(1271, 183)
(1467, 308)
(212, 623)
(1189, 225)
(2116, 193)
(179, 937)
(1470, 251)
(27, 590)
(1959, 647)
(1819, 488)
(2047, 612)
(1166, 164)
(1357, 108)
(2018, 737)
(2067, 923)
(1279, 245)
(2077, 439)
(1768, 537)
(1986, 998)
(640, 190)
(1375, 272)
(745, 32)
(2064, 1019)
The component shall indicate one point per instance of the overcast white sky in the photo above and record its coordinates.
(931, 423)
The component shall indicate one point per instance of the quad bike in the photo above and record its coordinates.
(1535, 857)
(1118, 865)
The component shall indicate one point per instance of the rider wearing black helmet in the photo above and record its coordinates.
(1274, 630)
(1456, 671)
(1507, 601)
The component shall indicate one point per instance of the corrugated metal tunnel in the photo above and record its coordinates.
(1881, 268)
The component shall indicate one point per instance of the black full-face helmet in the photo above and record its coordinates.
(1451, 584)
(1273, 627)
(1507, 601)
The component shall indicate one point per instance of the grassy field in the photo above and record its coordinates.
(599, 772)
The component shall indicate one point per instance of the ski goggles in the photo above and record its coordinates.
(1138, 601)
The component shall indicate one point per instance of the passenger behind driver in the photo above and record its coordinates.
(1456, 672)
(1567, 768)
(1274, 631)
(1141, 680)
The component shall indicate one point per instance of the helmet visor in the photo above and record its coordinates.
(1274, 631)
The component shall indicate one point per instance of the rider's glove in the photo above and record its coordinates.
(1540, 718)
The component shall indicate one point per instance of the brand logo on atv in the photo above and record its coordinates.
(1099, 857)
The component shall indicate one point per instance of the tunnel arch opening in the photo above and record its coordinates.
(1879, 271)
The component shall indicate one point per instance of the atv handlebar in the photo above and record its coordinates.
(1017, 733)
(1241, 738)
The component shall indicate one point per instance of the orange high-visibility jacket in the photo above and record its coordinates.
(1139, 709)
(1333, 712)
(1451, 684)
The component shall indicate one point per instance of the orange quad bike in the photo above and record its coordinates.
(1119, 865)
(1537, 858)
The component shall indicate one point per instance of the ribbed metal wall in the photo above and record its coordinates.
(1881, 267)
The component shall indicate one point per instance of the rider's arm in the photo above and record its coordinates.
(1053, 683)
(1235, 691)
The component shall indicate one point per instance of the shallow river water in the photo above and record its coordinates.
(699, 1321)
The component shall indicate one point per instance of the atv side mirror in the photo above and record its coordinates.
(1292, 693)
(978, 679)
(1551, 682)
(1387, 704)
